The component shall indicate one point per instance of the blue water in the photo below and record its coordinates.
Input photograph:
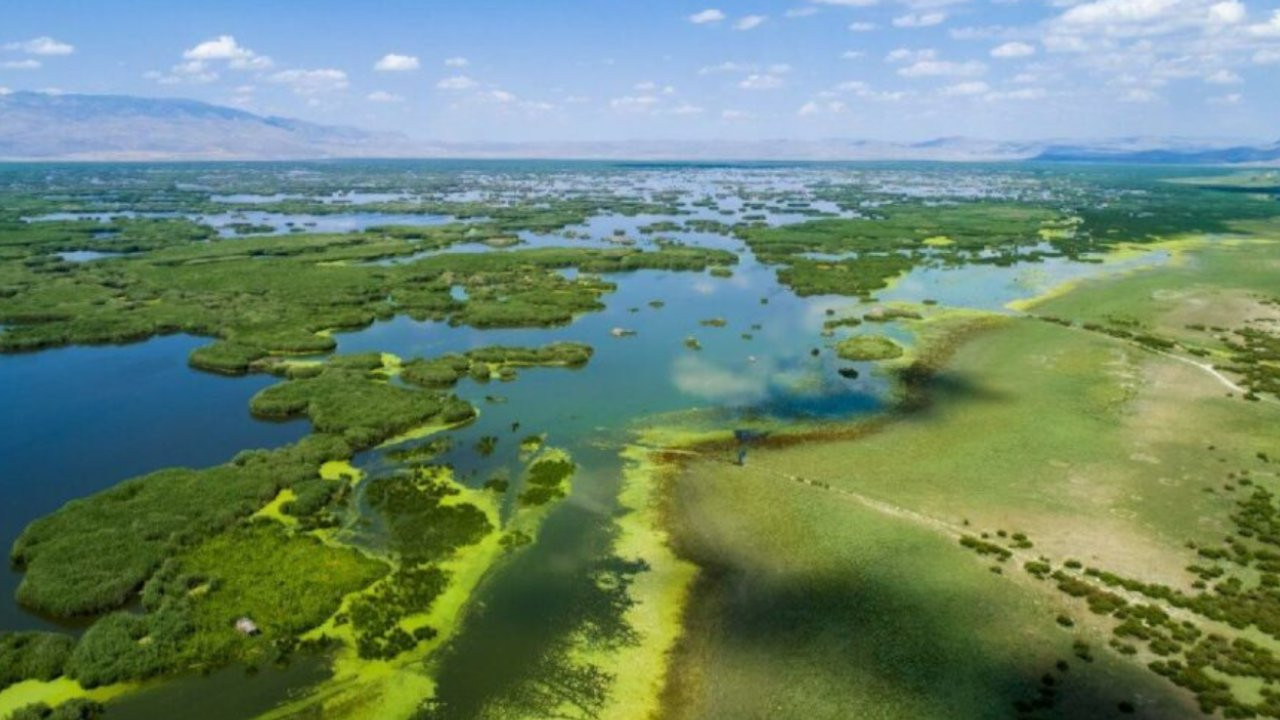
(76, 420)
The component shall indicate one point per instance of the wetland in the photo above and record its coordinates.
(498, 439)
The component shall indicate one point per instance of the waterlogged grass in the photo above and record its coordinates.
(656, 595)
(360, 406)
(809, 604)
(93, 554)
(868, 347)
(547, 478)
(1109, 456)
(32, 656)
(490, 362)
(286, 583)
(265, 296)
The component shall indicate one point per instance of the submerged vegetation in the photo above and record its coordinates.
(868, 347)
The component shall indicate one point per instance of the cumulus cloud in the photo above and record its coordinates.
(1271, 28)
(1011, 50)
(456, 82)
(861, 26)
(901, 55)
(761, 81)
(225, 48)
(193, 72)
(393, 62)
(749, 22)
(1223, 77)
(311, 82)
(974, 87)
(1139, 95)
(634, 103)
(43, 45)
(382, 96)
(919, 20)
(710, 15)
(943, 68)
(846, 3)
(1032, 93)
(27, 64)
(456, 61)
(814, 107)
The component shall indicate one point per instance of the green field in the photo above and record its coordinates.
(832, 576)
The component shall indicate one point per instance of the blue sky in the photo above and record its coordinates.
(625, 69)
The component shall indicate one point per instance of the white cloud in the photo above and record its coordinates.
(456, 61)
(4, 90)
(919, 20)
(1034, 93)
(813, 107)
(1139, 95)
(1223, 77)
(634, 103)
(311, 82)
(846, 3)
(710, 15)
(1013, 50)
(899, 55)
(193, 72)
(1266, 57)
(943, 68)
(724, 67)
(1270, 28)
(43, 45)
(685, 109)
(749, 22)
(852, 54)
(225, 47)
(393, 62)
(456, 82)
(1145, 18)
(1228, 99)
(861, 27)
(1227, 13)
(760, 81)
(382, 96)
(975, 87)
(27, 64)
(731, 114)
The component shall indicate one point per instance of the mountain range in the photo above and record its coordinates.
(45, 126)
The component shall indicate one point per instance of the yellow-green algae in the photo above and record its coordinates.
(396, 688)
(658, 594)
(55, 692)
(1176, 247)
(273, 511)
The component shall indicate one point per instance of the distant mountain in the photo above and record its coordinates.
(37, 126)
(41, 126)
(1184, 153)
